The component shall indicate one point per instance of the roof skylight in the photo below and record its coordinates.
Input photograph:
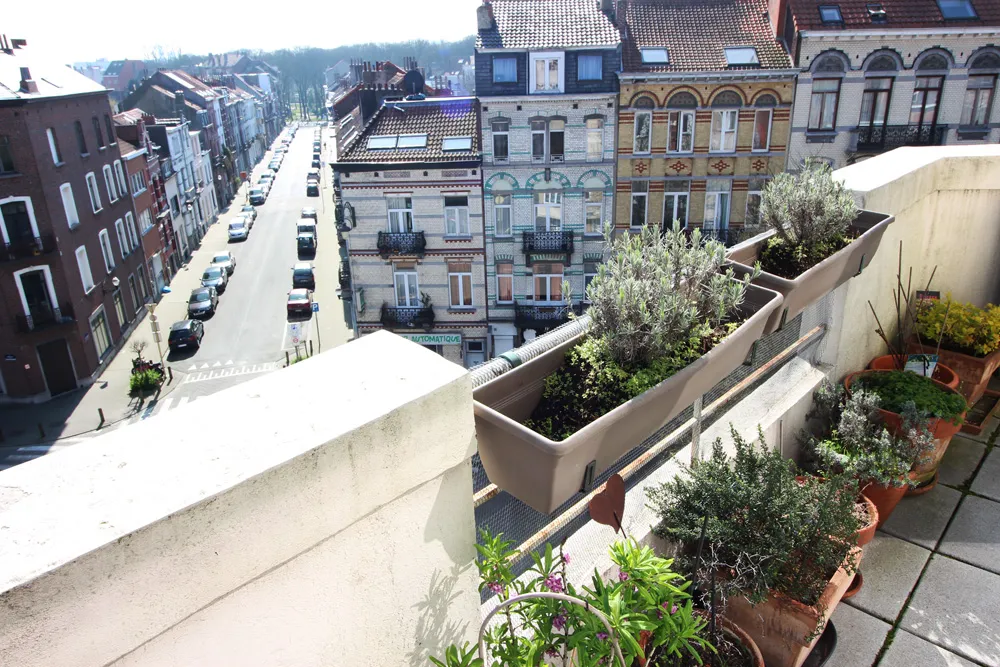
(412, 141)
(742, 55)
(655, 56)
(456, 144)
(382, 142)
(830, 14)
(957, 9)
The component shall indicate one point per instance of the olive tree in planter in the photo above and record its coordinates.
(668, 321)
(783, 546)
(817, 239)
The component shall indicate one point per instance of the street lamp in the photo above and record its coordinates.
(114, 285)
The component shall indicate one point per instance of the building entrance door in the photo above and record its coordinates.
(57, 366)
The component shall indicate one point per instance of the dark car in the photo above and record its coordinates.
(315, 163)
(309, 212)
(300, 303)
(317, 147)
(203, 301)
(185, 334)
(215, 276)
(303, 275)
(312, 188)
(306, 243)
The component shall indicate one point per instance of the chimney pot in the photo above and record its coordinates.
(484, 16)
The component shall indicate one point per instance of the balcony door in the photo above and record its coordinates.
(17, 222)
(407, 291)
(548, 211)
(36, 295)
(400, 214)
(875, 108)
(924, 106)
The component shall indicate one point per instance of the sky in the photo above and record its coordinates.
(90, 29)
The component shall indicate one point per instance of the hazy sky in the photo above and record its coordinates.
(73, 31)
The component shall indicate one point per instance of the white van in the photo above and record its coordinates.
(308, 226)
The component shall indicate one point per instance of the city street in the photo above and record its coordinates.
(249, 334)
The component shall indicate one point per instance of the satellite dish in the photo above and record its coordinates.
(413, 82)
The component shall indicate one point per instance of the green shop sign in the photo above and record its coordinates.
(433, 339)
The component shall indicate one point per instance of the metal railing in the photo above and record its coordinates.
(877, 138)
(547, 242)
(344, 276)
(531, 316)
(401, 243)
(44, 318)
(27, 248)
(393, 317)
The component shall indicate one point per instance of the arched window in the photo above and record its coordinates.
(762, 117)
(988, 60)
(877, 94)
(644, 103)
(766, 101)
(828, 70)
(981, 89)
(882, 63)
(725, 116)
(682, 100)
(829, 64)
(727, 98)
(933, 62)
(643, 126)
(931, 68)
(680, 122)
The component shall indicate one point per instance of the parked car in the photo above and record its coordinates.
(306, 243)
(238, 230)
(274, 165)
(203, 302)
(249, 212)
(313, 175)
(316, 163)
(185, 334)
(299, 303)
(317, 146)
(257, 196)
(216, 277)
(266, 177)
(303, 275)
(312, 188)
(308, 225)
(309, 212)
(226, 260)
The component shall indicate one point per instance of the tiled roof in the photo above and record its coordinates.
(128, 117)
(899, 14)
(53, 78)
(190, 82)
(436, 117)
(541, 24)
(126, 147)
(696, 33)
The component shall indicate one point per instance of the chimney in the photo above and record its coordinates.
(608, 7)
(777, 11)
(27, 84)
(484, 16)
(18, 43)
(179, 103)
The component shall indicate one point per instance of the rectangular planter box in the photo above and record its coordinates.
(821, 279)
(974, 372)
(543, 473)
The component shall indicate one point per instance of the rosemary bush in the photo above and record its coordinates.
(766, 531)
(811, 215)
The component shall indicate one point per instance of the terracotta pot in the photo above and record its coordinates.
(867, 534)
(822, 278)
(856, 583)
(544, 473)
(942, 373)
(974, 372)
(785, 630)
(885, 498)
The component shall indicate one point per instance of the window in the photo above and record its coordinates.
(754, 190)
(456, 216)
(557, 140)
(109, 182)
(130, 228)
(6, 157)
(717, 204)
(138, 180)
(675, 203)
(595, 139)
(120, 308)
(95, 196)
(80, 141)
(823, 104)
(589, 68)
(538, 140)
(134, 291)
(98, 133)
(500, 137)
(120, 178)
(141, 270)
(145, 221)
(830, 14)
(723, 138)
(460, 284)
(122, 238)
(548, 211)
(641, 130)
(400, 214)
(680, 131)
(877, 13)
(741, 55)
(407, 291)
(548, 283)
(381, 142)
(589, 273)
(978, 99)
(505, 282)
(504, 69)
(924, 105)
(100, 332)
(956, 9)
(54, 146)
(655, 56)
(875, 102)
(412, 141)
(109, 257)
(456, 144)
(640, 195)
(761, 130)
(110, 128)
(546, 73)
(593, 202)
(83, 263)
(69, 205)
(501, 215)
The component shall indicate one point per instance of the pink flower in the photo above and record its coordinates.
(602, 636)
(495, 587)
(565, 558)
(559, 621)
(554, 583)
(622, 576)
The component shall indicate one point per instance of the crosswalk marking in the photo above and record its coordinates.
(229, 371)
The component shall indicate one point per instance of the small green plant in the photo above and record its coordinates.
(895, 389)
(811, 215)
(460, 657)
(767, 531)
(961, 327)
(146, 380)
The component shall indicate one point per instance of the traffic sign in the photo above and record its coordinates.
(315, 307)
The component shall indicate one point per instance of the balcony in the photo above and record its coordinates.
(393, 244)
(45, 319)
(40, 245)
(881, 138)
(728, 235)
(530, 316)
(393, 317)
(547, 243)
(344, 276)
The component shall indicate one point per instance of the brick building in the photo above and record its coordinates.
(123, 76)
(410, 188)
(876, 76)
(705, 103)
(546, 76)
(71, 247)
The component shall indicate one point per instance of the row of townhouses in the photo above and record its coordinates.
(98, 210)
(466, 216)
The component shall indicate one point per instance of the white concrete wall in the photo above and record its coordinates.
(319, 515)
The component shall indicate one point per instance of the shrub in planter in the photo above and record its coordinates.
(145, 381)
(898, 389)
(783, 548)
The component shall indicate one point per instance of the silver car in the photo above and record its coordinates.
(215, 276)
(226, 260)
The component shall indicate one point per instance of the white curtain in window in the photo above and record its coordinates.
(589, 68)
(504, 70)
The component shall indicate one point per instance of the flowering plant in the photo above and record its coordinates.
(962, 327)
(646, 604)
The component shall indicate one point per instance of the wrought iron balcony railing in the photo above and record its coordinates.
(394, 317)
(879, 138)
(531, 316)
(344, 275)
(401, 243)
(728, 235)
(543, 243)
(44, 318)
(33, 247)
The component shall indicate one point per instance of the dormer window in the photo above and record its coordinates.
(957, 9)
(741, 55)
(655, 56)
(547, 73)
(831, 14)
(876, 12)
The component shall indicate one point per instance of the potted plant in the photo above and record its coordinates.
(817, 239)
(667, 322)
(783, 547)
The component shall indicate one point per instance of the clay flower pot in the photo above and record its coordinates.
(884, 497)
(974, 372)
(942, 373)
(867, 533)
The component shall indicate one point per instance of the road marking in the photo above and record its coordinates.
(216, 364)
(229, 363)
(204, 366)
(218, 374)
(194, 367)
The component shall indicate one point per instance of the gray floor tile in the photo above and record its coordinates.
(955, 606)
(908, 650)
(987, 482)
(974, 534)
(922, 519)
(960, 460)
(986, 433)
(891, 567)
(859, 637)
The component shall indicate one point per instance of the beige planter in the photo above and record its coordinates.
(543, 473)
(821, 279)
